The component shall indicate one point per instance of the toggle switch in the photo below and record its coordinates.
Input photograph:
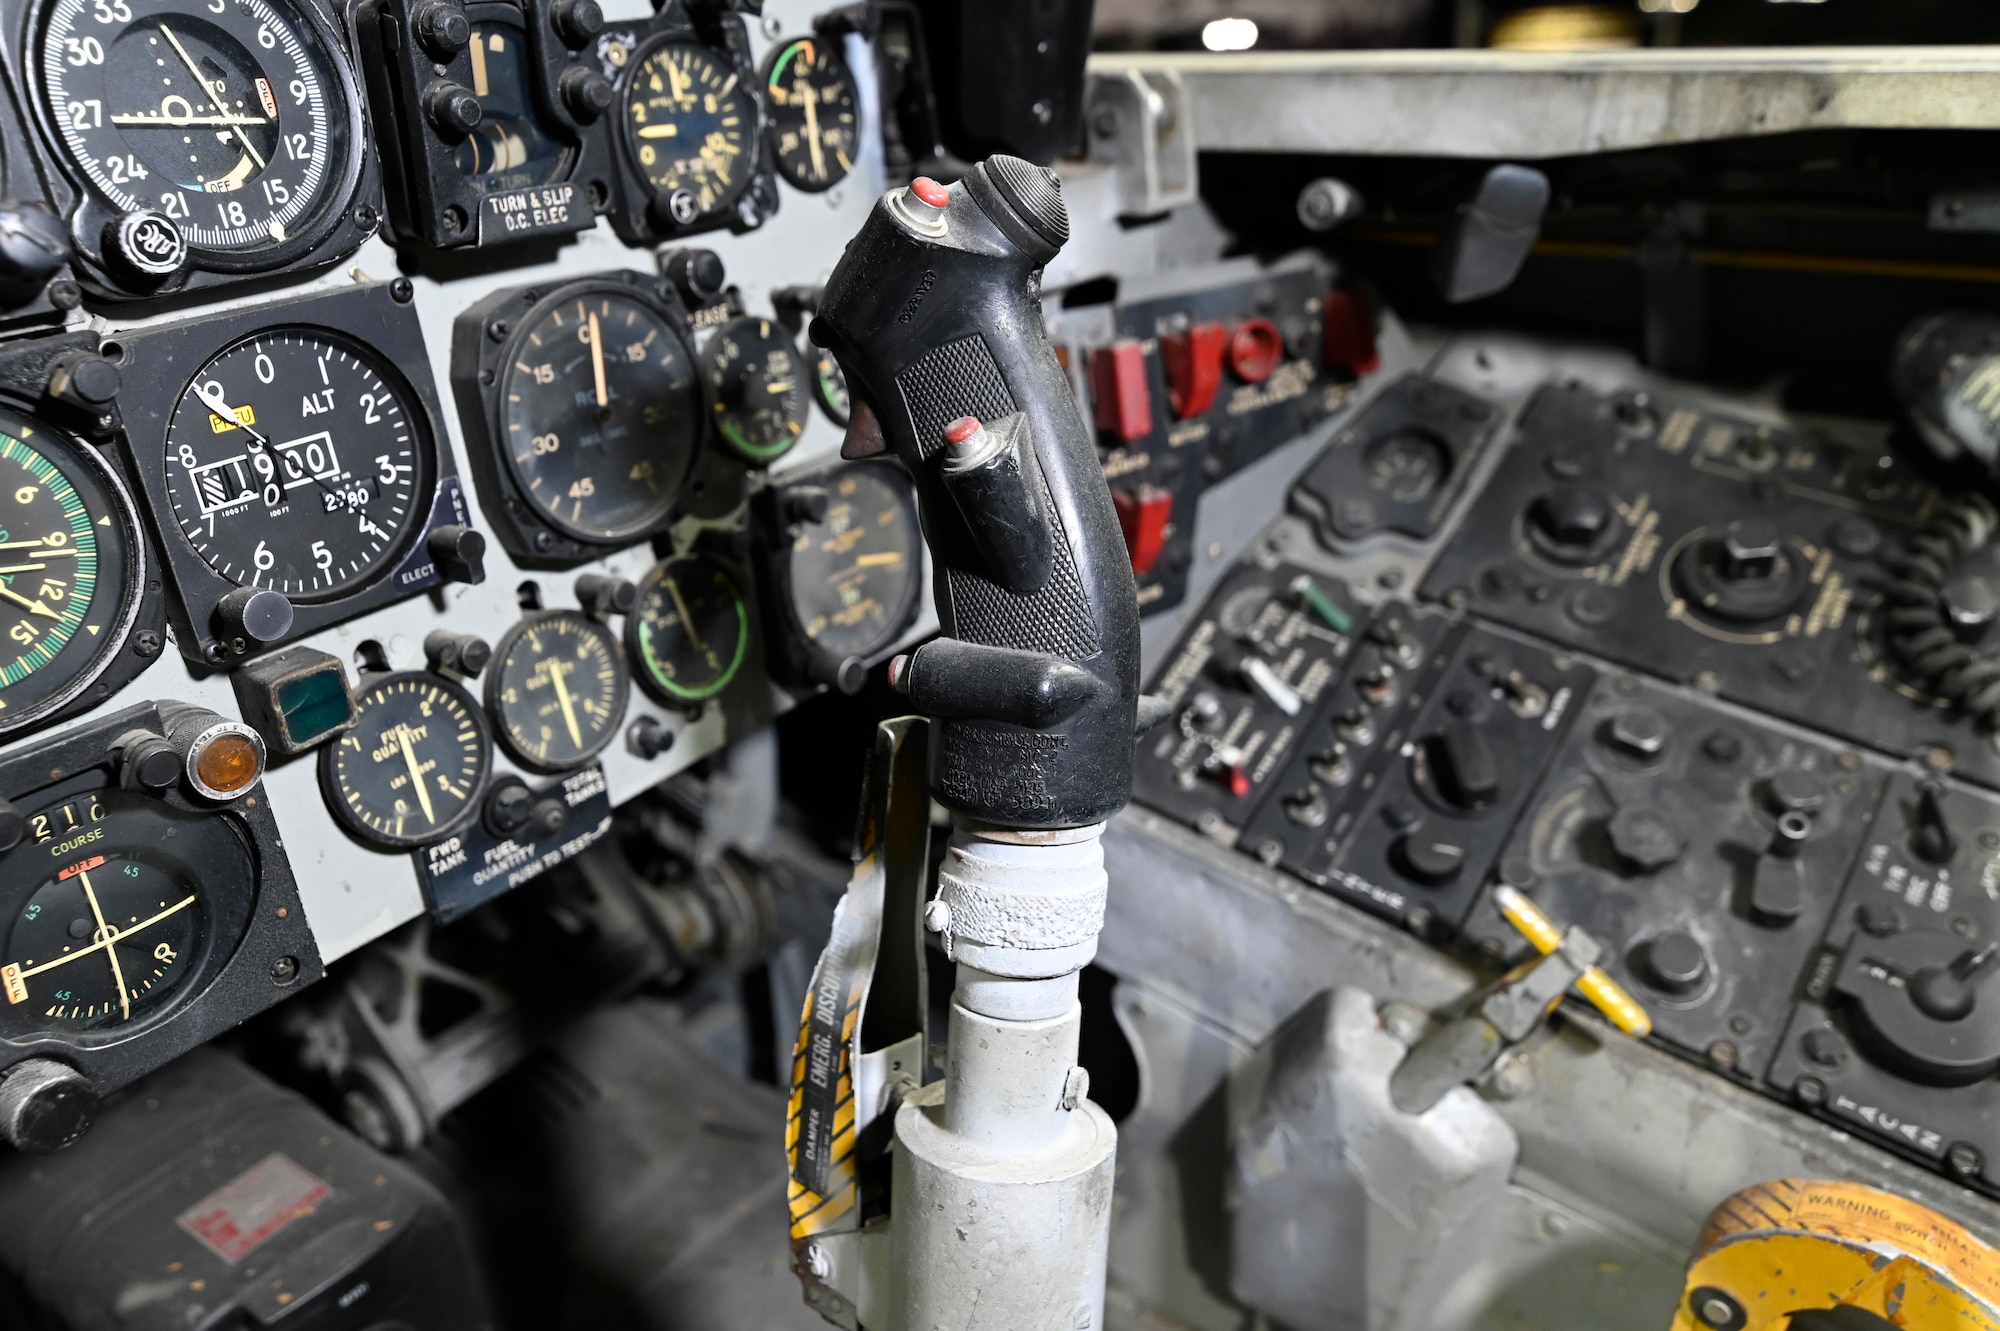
(1143, 515)
(1118, 387)
(1194, 367)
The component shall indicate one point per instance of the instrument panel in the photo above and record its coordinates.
(415, 537)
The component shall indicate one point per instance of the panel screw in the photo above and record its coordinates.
(497, 330)
(1810, 1092)
(402, 291)
(147, 643)
(284, 970)
(364, 217)
(65, 294)
(1716, 1309)
(1723, 1054)
(1965, 1160)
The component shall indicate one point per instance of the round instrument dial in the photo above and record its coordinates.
(232, 118)
(557, 689)
(815, 113)
(756, 386)
(829, 385)
(690, 629)
(295, 461)
(853, 578)
(412, 769)
(70, 570)
(1408, 467)
(510, 150)
(112, 919)
(601, 413)
(692, 125)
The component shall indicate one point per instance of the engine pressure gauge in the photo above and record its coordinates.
(295, 461)
(557, 689)
(815, 117)
(226, 125)
(848, 580)
(692, 128)
(412, 769)
(690, 629)
(756, 388)
(113, 914)
(71, 570)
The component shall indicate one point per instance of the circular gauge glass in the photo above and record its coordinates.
(510, 150)
(296, 462)
(853, 578)
(70, 570)
(830, 386)
(601, 414)
(412, 769)
(757, 387)
(690, 629)
(111, 918)
(557, 690)
(692, 125)
(231, 117)
(815, 113)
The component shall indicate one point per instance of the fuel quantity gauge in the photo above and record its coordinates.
(412, 769)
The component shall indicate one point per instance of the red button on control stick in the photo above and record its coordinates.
(930, 191)
(1256, 349)
(1194, 367)
(1143, 515)
(1118, 383)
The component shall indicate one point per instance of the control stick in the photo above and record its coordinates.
(1000, 1206)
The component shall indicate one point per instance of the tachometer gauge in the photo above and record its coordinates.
(692, 127)
(557, 689)
(412, 769)
(229, 120)
(295, 461)
(756, 388)
(509, 150)
(850, 580)
(115, 917)
(599, 413)
(70, 570)
(690, 630)
(815, 116)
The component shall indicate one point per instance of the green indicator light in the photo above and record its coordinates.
(1322, 605)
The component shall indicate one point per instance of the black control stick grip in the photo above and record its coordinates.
(934, 313)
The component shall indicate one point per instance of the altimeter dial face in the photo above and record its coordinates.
(295, 461)
(231, 117)
(557, 689)
(414, 766)
(692, 124)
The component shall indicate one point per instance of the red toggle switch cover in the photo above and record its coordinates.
(1350, 334)
(1256, 350)
(1118, 383)
(1143, 515)
(1194, 367)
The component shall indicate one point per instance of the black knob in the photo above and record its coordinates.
(452, 109)
(1468, 771)
(577, 22)
(600, 594)
(34, 246)
(13, 826)
(1644, 839)
(1750, 549)
(648, 737)
(806, 505)
(1432, 858)
(1639, 732)
(1796, 792)
(509, 807)
(1674, 964)
(1971, 603)
(1204, 711)
(1777, 883)
(146, 245)
(849, 674)
(1572, 518)
(546, 817)
(698, 273)
(585, 92)
(460, 553)
(442, 30)
(251, 617)
(1932, 837)
(87, 382)
(45, 1106)
(463, 653)
(1947, 993)
(146, 761)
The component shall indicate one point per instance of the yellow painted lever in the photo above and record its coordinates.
(1604, 993)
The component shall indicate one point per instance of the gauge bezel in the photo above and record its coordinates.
(161, 362)
(329, 783)
(260, 947)
(348, 214)
(498, 709)
(671, 695)
(113, 667)
(753, 137)
(832, 47)
(799, 661)
(479, 384)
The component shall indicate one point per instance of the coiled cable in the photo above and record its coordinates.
(1929, 652)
